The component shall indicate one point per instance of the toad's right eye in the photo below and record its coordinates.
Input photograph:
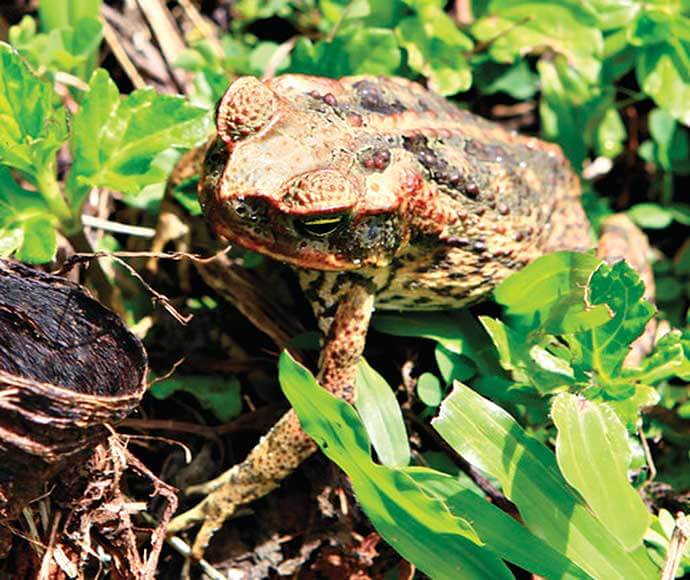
(246, 107)
(321, 226)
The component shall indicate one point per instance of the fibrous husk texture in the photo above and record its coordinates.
(68, 367)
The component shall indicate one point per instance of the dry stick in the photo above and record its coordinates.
(676, 547)
(167, 36)
(106, 292)
(277, 57)
(202, 25)
(156, 296)
(648, 458)
(143, 54)
(121, 55)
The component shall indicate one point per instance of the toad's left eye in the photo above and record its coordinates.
(320, 226)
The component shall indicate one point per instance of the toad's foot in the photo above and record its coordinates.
(285, 446)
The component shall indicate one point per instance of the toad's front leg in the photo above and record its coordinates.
(285, 446)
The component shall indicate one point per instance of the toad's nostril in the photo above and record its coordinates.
(248, 209)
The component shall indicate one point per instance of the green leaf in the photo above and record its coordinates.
(593, 453)
(27, 225)
(453, 366)
(663, 73)
(458, 331)
(429, 390)
(354, 51)
(651, 216)
(610, 134)
(549, 293)
(527, 361)
(437, 49)
(380, 412)
(515, 29)
(220, 395)
(418, 526)
(32, 122)
(491, 440)
(502, 534)
(40, 240)
(516, 80)
(670, 358)
(612, 14)
(572, 107)
(604, 348)
(61, 13)
(115, 140)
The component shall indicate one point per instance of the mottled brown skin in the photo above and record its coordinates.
(377, 191)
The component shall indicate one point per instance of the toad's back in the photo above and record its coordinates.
(433, 203)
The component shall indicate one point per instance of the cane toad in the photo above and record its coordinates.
(380, 193)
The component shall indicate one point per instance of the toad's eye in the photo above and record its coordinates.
(320, 226)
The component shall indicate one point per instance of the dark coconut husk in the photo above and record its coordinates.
(69, 370)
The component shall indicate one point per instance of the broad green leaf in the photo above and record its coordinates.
(515, 29)
(651, 216)
(115, 140)
(662, 128)
(593, 453)
(628, 410)
(418, 526)
(220, 395)
(605, 347)
(32, 122)
(443, 327)
(663, 73)
(437, 49)
(549, 293)
(66, 49)
(491, 440)
(380, 412)
(502, 534)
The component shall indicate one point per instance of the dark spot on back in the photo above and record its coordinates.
(371, 99)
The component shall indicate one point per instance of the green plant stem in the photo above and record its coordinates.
(51, 192)
(667, 188)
